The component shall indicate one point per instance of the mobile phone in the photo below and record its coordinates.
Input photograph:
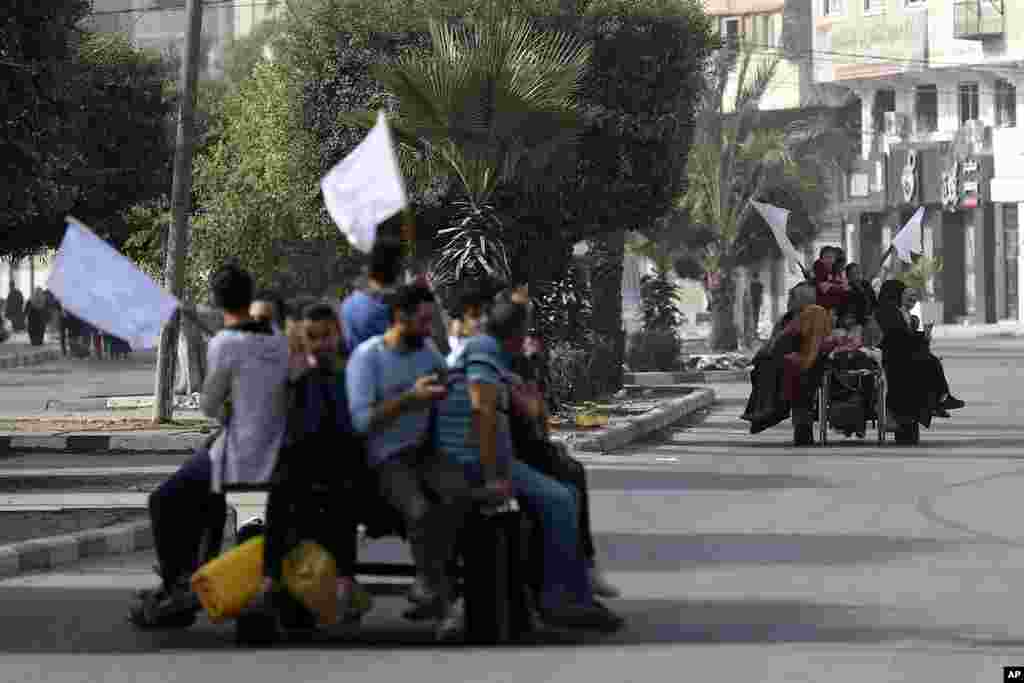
(442, 376)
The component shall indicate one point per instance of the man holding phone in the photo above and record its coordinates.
(393, 382)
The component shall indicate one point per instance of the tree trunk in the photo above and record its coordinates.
(191, 368)
(724, 336)
(608, 253)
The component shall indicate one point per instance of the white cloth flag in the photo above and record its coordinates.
(366, 187)
(908, 239)
(777, 219)
(99, 285)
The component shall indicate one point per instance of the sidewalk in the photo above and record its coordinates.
(18, 352)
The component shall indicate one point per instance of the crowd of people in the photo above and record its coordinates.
(837, 313)
(348, 411)
(42, 311)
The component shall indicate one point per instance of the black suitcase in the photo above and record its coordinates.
(494, 586)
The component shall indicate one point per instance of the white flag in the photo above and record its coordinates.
(777, 219)
(366, 187)
(99, 285)
(908, 239)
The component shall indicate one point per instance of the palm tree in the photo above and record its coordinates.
(488, 104)
(732, 162)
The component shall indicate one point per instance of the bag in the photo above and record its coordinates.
(494, 588)
(311, 576)
(226, 585)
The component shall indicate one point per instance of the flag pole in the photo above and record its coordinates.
(885, 257)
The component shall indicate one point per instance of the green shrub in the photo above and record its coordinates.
(657, 350)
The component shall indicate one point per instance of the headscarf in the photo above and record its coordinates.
(891, 293)
(815, 326)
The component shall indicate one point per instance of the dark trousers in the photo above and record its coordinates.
(297, 512)
(188, 520)
(553, 460)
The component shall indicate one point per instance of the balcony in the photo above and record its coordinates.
(978, 19)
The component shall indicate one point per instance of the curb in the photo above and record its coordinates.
(97, 443)
(41, 554)
(663, 379)
(28, 359)
(657, 419)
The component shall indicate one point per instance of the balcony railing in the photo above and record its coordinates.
(977, 19)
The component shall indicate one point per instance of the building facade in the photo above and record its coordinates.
(160, 25)
(938, 84)
(781, 29)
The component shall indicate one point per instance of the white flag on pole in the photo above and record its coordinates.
(908, 239)
(366, 187)
(99, 285)
(777, 219)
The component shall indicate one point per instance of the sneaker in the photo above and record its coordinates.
(592, 617)
(600, 586)
(356, 603)
(952, 403)
(164, 608)
(453, 626)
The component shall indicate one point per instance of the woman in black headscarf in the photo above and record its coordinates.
(917, 382)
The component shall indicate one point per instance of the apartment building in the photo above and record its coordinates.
(938, 84)
(160, 25)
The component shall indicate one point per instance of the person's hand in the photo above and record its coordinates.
(928, 330)
(428, 388)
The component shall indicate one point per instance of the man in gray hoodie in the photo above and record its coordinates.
(245, 389)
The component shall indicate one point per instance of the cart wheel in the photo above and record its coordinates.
(823, 410)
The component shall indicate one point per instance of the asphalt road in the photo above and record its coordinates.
(739, 558)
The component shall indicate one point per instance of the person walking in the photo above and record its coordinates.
(36, 315)
(756, 291)
(15, 308)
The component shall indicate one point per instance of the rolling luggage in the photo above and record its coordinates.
(494, 586)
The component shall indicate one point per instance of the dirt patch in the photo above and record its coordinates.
(100, 424)
(25, 526)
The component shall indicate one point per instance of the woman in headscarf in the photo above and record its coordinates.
(767, 405)
(917, 387)
(803, 370)
(36, 313)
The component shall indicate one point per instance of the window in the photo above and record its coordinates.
(885, 101)
(968, 102)
(832, 8)
(731, 30)
(914, 3)
(926, 108)
(874, 6)
(1006, 104)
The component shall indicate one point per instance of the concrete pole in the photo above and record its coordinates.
(181, 206)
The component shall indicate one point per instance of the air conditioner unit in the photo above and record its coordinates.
(895, 124)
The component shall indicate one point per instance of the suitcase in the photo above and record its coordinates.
(494, 588)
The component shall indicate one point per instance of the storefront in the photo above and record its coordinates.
(951, 181)
(1007, 189)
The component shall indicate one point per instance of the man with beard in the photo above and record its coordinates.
(313, 469)
(393, 382)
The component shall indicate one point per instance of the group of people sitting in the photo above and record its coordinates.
(837, 313)
(323, 403)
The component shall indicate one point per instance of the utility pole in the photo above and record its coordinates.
(181, 206)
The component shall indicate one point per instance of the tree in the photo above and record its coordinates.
(257, 188)
(735, 160)
(490, 103)
(85, 129)
(638, 102)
